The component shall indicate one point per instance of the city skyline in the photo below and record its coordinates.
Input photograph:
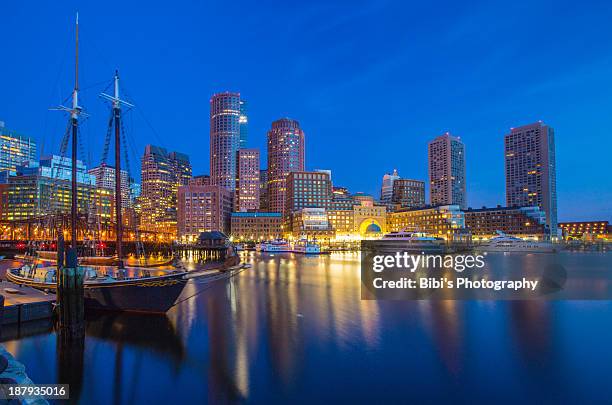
(577, 115)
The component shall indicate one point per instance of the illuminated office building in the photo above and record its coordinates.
(447, 186)
(408, 193)
(247, 185)
(203, 209)
(445, 221)
(15, 149)
(524, 222)
(285, 155)
(161, 175)
(531, 170)
(105, 178)
(225, 113)
(256, 226)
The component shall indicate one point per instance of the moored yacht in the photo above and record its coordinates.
(304, 246)
(274, 246)
(412, 242)
(507, 243)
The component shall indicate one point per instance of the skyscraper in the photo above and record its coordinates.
(447, 171)
(244, 123)
(161, 175)
(285, 155)
(224, 139)
(105, 177)
(531, 170)
(14, 150)
(386, 191)
(247, 186)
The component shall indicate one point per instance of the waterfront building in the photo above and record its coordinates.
(446, 155)
(247, 185)
(590, 230)
(263, 190)
(531, 170)
(369, 219)
(200, 180)
(285, 155)
(41, 192)
(312, 223)
(224, 138)
(445, 221)
(243, 121)
(15, 149)
(203, 209)
(306, 190)
(386, 191)
(161, 174)
(105, 177)
(523, 222)
(408, 193)
(256, 226)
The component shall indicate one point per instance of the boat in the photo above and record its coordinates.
(274, 246)
(132, 289)
(417, 242)
(120, 288)
(507, 243)
(84, 260)
(304, 246)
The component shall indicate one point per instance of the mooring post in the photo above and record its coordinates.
(70, 299)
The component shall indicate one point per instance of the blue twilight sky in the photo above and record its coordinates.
(370, 81)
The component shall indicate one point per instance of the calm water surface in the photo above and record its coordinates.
(293, 328)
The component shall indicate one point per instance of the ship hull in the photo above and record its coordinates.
(151, 294)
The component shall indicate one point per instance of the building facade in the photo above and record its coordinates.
(523, 222)
(15, 149)
(203, 209)
(200, 180)
(224, 138)
(247, 185)
(408, 193)
(447, 183)
(531, 170)
(445, 221)
(386, 190)
(161, 174)
(256, 226)
(105, 178)
(263, 190)
(244, 124)
(589, 230)
(285, 155)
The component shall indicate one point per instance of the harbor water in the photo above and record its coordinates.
(294, 329)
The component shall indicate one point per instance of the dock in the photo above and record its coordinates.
(23, 304)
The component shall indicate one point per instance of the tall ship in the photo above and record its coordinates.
(114, 287)
(507, 243)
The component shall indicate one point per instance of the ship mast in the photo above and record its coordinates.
(74, 116)
(75, 112)
(116, 103)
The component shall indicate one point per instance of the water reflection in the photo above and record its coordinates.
(293, 328)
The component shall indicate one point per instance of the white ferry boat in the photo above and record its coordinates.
(412, 242)
(274, 246)
(304, 246)
(507, 243)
